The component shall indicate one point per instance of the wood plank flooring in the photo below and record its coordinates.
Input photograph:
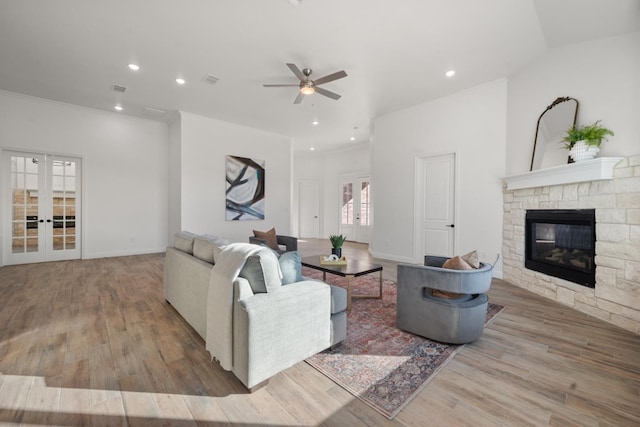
(94, 343)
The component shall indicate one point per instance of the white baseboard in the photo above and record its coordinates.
(391, 257)
(112, 254)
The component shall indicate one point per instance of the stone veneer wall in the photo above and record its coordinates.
(616, 297)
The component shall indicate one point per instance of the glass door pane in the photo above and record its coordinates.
(347, 203)
(24, 204)
(365, 203)
(63, 201)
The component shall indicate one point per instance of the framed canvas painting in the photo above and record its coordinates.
(244, 189)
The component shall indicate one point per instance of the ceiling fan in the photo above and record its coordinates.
(308, 86)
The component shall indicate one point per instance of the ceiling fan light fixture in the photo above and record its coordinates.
(307, 90)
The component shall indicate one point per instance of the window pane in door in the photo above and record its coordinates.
(365, 205)
(24, 204)
(347, 204)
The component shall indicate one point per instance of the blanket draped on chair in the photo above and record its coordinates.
(220, 302)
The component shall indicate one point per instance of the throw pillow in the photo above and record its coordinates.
(291, 267)
(262, 270)
(183, 241)
(456, 263)
(472, 259)
(269, 238)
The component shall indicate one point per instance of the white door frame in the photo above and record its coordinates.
(419, 188)
(355, 178)
(6, 213)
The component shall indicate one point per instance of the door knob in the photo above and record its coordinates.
(48, 220)
(42, 220)
(451, 225)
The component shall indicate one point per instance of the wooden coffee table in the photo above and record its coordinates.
(354, 268)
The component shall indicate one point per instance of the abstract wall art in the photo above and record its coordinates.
(245, 189)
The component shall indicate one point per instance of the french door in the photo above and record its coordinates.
(41, 217)
(356, 207)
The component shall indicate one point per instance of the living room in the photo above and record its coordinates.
(145, 179)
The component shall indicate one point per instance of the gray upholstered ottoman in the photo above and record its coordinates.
(450, 320)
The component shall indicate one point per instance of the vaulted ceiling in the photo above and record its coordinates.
(395, 53)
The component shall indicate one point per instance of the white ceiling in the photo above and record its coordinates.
(394, 52)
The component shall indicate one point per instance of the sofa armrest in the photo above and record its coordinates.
(275, 330)
(290, 242)
(475, 281)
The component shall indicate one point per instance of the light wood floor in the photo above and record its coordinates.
(93, 342)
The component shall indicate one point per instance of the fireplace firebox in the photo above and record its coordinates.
(561, 243)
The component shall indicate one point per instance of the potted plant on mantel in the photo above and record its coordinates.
(337, 240)
(584, 142)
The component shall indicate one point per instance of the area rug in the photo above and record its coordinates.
(378, 363)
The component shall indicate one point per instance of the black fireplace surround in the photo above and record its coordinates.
(561, 243)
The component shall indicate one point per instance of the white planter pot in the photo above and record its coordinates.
(582, 151)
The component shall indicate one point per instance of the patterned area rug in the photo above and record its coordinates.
(378, 363)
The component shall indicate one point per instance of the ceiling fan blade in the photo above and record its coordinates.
(328, 93)
(283, 85)
(299, 98)
(297, 72)
(331, 77)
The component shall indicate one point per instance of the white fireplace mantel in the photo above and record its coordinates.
(587, 170)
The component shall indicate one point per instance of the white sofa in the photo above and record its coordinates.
(270, 330)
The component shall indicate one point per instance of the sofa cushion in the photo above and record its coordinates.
(206, 248)
(183, 241)
(262, 270)
(219, 241)
(269, 237)
(291, 267)
(338, 299)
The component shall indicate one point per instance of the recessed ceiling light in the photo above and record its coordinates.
(180, 81)
(450, 73)
(315, 123)
(134, 67)
(312, 149)
(353, 138)
(118, 107)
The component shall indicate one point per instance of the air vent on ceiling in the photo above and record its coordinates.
(210, 79)
(150, 111)
(118, 88)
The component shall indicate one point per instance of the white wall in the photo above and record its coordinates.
(204, 144)
(124, 164)
(472, 124)
(326, 167)
(603, 75)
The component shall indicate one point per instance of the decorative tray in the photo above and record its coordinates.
(341, 261)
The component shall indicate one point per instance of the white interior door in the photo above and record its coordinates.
(356, 206)
(435, 207)
(41, 216)
(309, 209)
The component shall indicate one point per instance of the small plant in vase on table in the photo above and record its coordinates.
(584, 142)
(337, 240)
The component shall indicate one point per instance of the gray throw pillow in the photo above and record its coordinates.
(291, 267)
(262, 271)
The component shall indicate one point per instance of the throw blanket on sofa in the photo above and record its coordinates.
(220, 301)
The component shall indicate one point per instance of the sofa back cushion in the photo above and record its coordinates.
(183, 241)
(262, 271)
(206, 248)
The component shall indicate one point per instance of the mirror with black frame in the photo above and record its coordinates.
(548, 151)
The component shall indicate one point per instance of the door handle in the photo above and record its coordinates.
(48, 220)
(451, 225)
(42, 220)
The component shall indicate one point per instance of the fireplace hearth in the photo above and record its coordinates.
(561, 243)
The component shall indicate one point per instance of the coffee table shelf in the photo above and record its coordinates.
(354, 268)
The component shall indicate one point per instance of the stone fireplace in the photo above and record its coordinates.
(614, 200)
